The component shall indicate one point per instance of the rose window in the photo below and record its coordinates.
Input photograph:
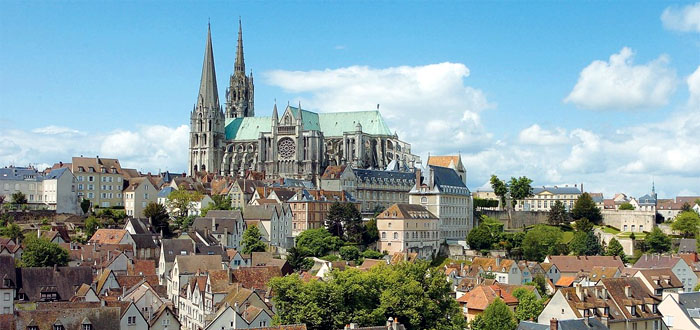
(286, 148)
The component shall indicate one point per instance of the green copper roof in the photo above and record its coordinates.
(331, 124)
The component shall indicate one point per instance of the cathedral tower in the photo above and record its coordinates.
(239, 94)
(207, 120)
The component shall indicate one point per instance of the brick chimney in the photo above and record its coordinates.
(418, 178)
(553, 324)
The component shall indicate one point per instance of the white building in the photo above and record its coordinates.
(543, 198)
(53, 191)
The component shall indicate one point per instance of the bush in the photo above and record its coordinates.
(349, 253)
(331, 257)
(371, 254)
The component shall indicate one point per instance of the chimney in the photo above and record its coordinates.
(418, 178)
(498, 261)
(579, 291)
(553, 324)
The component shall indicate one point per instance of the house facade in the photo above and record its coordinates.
(408, 228)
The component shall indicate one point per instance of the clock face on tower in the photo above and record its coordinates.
(286, 148)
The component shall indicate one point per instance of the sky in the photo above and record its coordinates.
(601, 93)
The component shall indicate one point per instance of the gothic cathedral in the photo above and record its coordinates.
(297, 144)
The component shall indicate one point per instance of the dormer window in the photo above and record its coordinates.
(633, 310)
(58, 327)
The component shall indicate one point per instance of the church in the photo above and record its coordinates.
(292, 143)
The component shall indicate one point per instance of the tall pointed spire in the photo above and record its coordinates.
(239, 66)
(275, 118)
(208, 92)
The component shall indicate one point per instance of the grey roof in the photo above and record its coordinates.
(19, 173)
(144, 241)
(294, 183)
(557, 190)
(64, 281)
(174, 247)
(687, 245)
(364, 174)
(165, 191)
(211, 250)
(260, 212)
(7, 270)
(227, 221)
(446, 177)
(224, 214)
(571, 324)
(690, 304)
(647, 199)
(140, 226)
(55, 174)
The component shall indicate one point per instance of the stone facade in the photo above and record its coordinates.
(299, 144)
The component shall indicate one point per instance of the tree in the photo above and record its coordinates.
(584, 243)
(371, 254)
(349, 253)
(657, 242)
(371, 233)
(585, 208)
(12, 231)
(19, 198)
(183, 200)
(520, 189)
(221, 202)
(479, 238)
(686, 207)
(252, 240)
(529, 307)
(687, 222)
(297, 259)
(184, 222)
(85, 205)
(541, 284)
(91, 225)
(499, 188)
(318, 242)
(334, 220)
(416, 294)
(615, 249)
(345, 221)
(541, 241)
(583, 225)
(158, 216)
(557, 214)
(497, 316)
(626, 206)
(352, 223)
(40, 252)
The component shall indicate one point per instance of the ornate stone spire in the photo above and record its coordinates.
(239, 65)
(208, 92)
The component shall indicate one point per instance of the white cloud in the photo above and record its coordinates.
(685, 19)
(538, 136)
(408, 96)
(56, 130)
(618, 84)
(694, 88)
(146, 148)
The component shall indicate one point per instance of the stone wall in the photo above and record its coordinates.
(520, 219)
(624, 220)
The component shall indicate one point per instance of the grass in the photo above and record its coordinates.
(567, 236)
(609, 230)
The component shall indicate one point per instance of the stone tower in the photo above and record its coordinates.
(239, 94)
(207, 133)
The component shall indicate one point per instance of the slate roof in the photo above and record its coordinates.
(174, 247)
(144, 241)
(444, 176)
(573, 324)
(70, 314)
(366, 174)
(165, 192)
(140, 226)
(687, 245)
(19, 173)
(284, 327)
(7, 271)
(64, 280)
(690, 303)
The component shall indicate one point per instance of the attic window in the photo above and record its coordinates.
(58, 327)
(183, 252)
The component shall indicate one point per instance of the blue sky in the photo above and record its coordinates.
(134, 68)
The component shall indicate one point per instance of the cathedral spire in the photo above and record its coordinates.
(274, 113)
(208, 92)
(239, 66)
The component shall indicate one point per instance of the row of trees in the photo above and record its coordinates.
(415, 293)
